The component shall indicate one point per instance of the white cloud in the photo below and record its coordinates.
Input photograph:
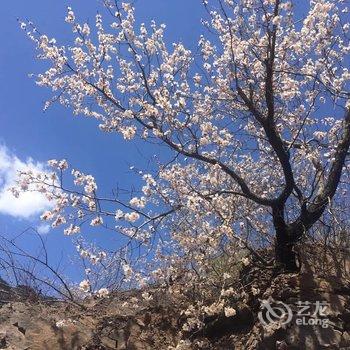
(43, 229)
(28, 204)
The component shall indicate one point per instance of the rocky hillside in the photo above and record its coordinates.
(318, 297)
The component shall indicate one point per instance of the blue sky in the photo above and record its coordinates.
(28, 134)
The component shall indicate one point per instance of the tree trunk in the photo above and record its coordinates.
(285, 255)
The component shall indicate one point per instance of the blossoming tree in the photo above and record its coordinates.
(258, 120)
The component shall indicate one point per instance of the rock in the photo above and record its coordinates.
(121, 339)
(110, 343)
(116, 323)
(14, 339)
(222, 325)
(345, 339)
(3, 343)
(313, 337)
(281, 345)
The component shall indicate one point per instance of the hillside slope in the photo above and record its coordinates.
(125, 320)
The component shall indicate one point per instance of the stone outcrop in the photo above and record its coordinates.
(125, 321)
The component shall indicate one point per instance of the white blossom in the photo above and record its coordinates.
(229, 311)
(84, 286)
